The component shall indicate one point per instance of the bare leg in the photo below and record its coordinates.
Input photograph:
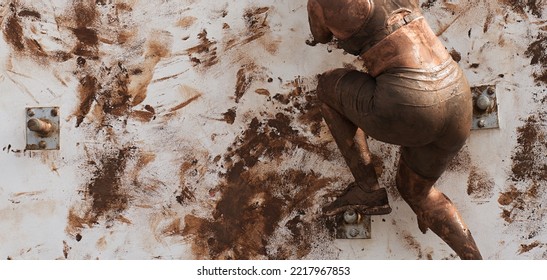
(436, 211)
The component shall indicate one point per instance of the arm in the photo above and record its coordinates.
(316, 18)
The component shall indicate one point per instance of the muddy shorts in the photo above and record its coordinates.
(427, 112)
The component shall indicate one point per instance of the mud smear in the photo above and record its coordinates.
(244, 79)
(529, 157)
(85, 16)
(258, 200)
(461, 162)
(523, 200)
(205, 53)
(105, 188)
(107, 197)
(13, 31)
(188, 170)
(186, 22)
(87, 89)
(536, 51)
(256, 28)
(413, 244)
(535, 7)
(527, 248)
(480, 185)
(428, 4)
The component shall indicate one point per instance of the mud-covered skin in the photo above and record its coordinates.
(407, 51)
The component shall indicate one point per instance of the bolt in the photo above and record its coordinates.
(491, 90)
(30, 113)
(354, 232)
(481, 123)
(54, 112)
(42, 144)
(350, 216)
(40, 126)
(483, 102)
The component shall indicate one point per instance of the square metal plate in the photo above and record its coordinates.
(485, 107)
(34, 140)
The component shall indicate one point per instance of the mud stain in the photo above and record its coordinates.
(535, 7)
(244, 79)
(85, 15)
(536, 51)
(87, 90)
(230, 116)
(461, 162)
(186, 22)
(257, 28)
(521, 205)
(105, 188)
(480, 185)
(456, 56)
(525, 248)
(66, 249)
(256, 197)
(428, 4)
(529, 157)
(413, 244)
(104, 193)
(13, 31)
(205, 53)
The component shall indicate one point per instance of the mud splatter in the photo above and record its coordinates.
(527, 248)
(244, 79)
(456, 56)
(186, 22)
(535, 7)
(428, 4)
(536, 51)
(256, 28)
(256, 197)
(205, 53)
(529, 162)
(13, 31)
(87, 89)
(66, 249)
(230, 116)
(461, 162)
(480, 185)
(85, 15)
(413, 244)
(105, 188)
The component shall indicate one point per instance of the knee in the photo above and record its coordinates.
(326, 86)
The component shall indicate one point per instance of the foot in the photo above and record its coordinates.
(354, 197)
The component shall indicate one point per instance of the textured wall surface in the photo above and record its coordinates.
(190, 131)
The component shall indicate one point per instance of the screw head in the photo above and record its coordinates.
(54, 112)
(354, 232)
(483, 102)
(490, 90)
(481, 123)
(42, 144)
(30, 113)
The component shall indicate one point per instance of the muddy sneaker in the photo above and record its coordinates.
(368, 203)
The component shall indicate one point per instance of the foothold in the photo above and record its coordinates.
(42, 128)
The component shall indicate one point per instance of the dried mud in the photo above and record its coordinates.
(258, 201)
(535, 7)
(480, 185)
(536, 51)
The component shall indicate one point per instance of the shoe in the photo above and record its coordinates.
(368, 203)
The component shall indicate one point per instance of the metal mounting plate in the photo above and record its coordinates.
(35, 141)
(359, 229)
(485, 107)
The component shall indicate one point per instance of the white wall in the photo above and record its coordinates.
(202, 139)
